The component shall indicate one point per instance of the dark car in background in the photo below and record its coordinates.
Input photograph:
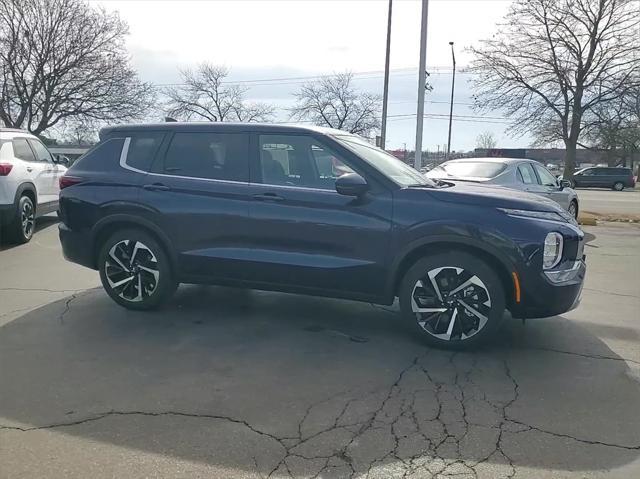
(604, 177)
(313, 211)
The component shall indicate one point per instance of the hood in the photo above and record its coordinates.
(493, 196)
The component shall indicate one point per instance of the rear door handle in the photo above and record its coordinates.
(268, 197)
(157, 187)
(29, 169)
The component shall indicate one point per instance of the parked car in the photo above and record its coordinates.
(603, 177)
(314, 211)
(29, 177)
(516, 173)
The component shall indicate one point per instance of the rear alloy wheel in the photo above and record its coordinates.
(455, 300)
(23, 225)
(135, 271)
(618, 186)
(573, 209)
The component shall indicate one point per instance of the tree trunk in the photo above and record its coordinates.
(570, 158)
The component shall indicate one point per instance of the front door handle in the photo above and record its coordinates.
(29, 169)
(268, 197)
(157, 187)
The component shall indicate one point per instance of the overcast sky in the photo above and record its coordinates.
(264, 39)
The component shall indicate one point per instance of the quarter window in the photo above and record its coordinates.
(142, 150)
(216, 156)
(299, 161)
(22, 150)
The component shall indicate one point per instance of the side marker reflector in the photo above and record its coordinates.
(516, 285)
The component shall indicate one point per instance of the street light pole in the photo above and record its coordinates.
(422, 72)
(453, 84)
(385, 94)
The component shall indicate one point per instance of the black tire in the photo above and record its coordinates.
(573, 184)
(140, 254)
(618, 186)
(573, 206)
(486, 287)
(20, 230)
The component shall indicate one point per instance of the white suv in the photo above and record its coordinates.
(29, 176)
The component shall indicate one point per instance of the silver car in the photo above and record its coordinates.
(516, 173)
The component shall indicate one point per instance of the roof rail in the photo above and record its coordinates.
(15, 130)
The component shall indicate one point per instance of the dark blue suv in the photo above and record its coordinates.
(313, 211)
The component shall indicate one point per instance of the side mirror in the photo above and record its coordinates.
(351, 184)
(565, 184)
(61, 160)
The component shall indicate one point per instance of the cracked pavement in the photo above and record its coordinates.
(235, 383)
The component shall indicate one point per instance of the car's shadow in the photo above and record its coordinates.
(42, 223)
(264, 382)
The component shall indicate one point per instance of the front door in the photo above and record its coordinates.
(197, 192)
(550, 185)
(50, 175)
(305, 234)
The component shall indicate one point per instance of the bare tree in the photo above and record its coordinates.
(615, 127)
(334, 102)
(205, 95)
(552, 61)
(486, 140)
(62, 59)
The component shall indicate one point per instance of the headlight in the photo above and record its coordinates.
(552, 253)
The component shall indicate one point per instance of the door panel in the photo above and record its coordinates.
(550, 185)
(306, 235)
(199, 198)
(48, 171)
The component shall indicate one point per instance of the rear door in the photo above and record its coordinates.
(304, 234)
(197, 192)
(35, 169)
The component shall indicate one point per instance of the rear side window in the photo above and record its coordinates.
(214, 156)
(104, 156)
(22, 150)
(142, 149)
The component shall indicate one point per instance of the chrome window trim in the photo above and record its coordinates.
(123, 163)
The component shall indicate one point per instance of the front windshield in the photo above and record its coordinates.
(387, 164)
(469, 169)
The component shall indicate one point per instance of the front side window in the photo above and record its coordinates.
(41, 152)
(526, 174)
(142, 149)
(22, 150)
(546, 178)
(387, 164)
(298, 160)
(214, 156)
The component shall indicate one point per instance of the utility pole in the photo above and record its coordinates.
(453, 84)
(385, 94)
(421, 83)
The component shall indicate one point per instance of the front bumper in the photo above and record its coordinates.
(543, 297)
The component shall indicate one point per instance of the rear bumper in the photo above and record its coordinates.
(76, 247)
(542, 298)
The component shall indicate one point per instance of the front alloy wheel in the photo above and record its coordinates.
(135, 271)
(455, 300)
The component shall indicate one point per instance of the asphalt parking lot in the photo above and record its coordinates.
(601, 201)
(235, 383)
